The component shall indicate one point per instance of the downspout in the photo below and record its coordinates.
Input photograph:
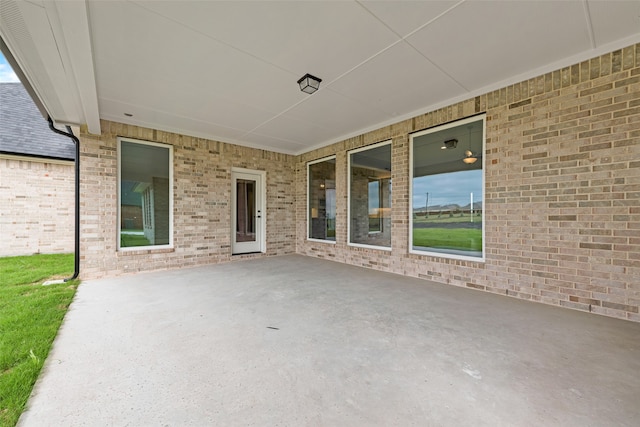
(76, 141)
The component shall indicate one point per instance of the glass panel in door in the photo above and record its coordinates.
(245, 210)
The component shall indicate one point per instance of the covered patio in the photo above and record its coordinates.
(197, 143)
(300, 341)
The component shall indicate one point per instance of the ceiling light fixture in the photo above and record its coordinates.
(470, 157)
(450, 143)
(309, 84)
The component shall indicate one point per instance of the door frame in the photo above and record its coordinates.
(261, 205)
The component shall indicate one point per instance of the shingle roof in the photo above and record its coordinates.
(23, 130)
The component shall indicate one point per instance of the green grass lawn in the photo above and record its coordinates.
(129, 240)
(433, 219)
(30, 315)
(463, 239)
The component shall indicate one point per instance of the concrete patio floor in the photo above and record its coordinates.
(297, 341)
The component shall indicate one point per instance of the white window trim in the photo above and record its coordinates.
(456, 123)
(118, 195)
(349, 153)
(310, 239)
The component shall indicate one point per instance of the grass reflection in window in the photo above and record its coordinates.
(447, 192)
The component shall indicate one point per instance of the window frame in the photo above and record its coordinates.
(412, 136)
(308, 222)
(349, 153)
(119, 248)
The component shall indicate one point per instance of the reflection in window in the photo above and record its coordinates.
(447, 189)
(375, 225)
(145, 194)
(370, 196)
(322, 199)
(245, 210)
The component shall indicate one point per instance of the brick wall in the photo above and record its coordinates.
(562, 201)
(36, 212)
(202, 194)
(562, 197)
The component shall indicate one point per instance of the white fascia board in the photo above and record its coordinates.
(33, 34)
(70, 25)
(25, 29)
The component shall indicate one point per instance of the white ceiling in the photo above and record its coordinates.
(228, 70)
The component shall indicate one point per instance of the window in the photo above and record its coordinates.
(322, 199)
(370, 196)
(447, 189)
(146, 200)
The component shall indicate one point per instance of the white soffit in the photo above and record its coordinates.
(502, 39)
(321, 37)
(612, 22)
(40, 36)
(70, 25)
(331, 110)
(415, 82)
(227, 70)
(279, 145)
(405, 17)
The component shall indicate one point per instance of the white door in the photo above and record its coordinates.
(248, 211)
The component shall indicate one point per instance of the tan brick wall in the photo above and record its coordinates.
(562, 201)
(202, 194)
(562, 195)
(37, 206)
